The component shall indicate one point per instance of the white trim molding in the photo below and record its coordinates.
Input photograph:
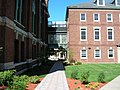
(111, 17)
(112, 53)
(98, 3)
(81, 17)
(99, 30)
(97, 48)
(108, 28)
(82, 53)
(98, 17)
(85, 29)
(5, 21)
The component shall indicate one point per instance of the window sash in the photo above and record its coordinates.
(83, 34)
(111, 53)
(97, 53)
(109, 17)
(110, 34)
(83, 53)
(83, 17)
(101, 2)
(96, 17)
(97, 34)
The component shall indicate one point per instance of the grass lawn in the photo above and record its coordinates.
(110, 70)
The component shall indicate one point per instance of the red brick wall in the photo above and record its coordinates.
(9, 44)
(2, 42)
(76, 45)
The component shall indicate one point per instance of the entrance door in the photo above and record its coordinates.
(118, 54)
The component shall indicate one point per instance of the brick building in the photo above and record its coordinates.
(94, 31)
(23, 33)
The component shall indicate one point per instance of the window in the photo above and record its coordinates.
(110, 35)
(117, 2)
(97, 34)
(33, 16)
(83, 54)
(109, 18)
(18, 10)
(100, 2)
(57, 38)
(64, 39)
(96, 17)
(82, 17)
(97, 53)
(111, 53)
(83, 34)
(119, 17)
(51, 39)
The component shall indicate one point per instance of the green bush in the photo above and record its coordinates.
(6, 76)
(17, 85)
(21, 78)
(84, 77)
(74, 74)
(19, 82)
(34, 79)
(78, 63)
(101, 77)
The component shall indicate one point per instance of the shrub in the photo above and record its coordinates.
(84, 77)
(19, 82)
(17, 85)
(78, 63)
(101, 77)
(6, 76)
(34, 79)
(74, 74)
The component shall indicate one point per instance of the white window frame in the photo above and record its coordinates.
(81, 19)
(98, 3)
(94, 17)
(119, 17)
(95, 54)
(81, 35)
(111, 17)
(112, 34)
(116, 3)
(99, 34)
(81, 54)
(109, 53)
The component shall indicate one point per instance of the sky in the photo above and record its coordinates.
(57, 8)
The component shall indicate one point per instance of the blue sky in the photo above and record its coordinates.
(57, 8)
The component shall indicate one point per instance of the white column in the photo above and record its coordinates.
(118, 54)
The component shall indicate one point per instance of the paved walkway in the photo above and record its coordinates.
(55, 80)
(113, 85)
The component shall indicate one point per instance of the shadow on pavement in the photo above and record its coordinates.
(58, 66)
(40, 70)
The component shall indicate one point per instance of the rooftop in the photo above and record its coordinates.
(93, 5)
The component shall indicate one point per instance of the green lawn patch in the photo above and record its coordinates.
(110, 70)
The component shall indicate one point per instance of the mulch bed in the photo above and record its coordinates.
(77, 85)
(72, 83)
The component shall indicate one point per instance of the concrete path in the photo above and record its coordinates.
(55, 80)
(113, 85)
